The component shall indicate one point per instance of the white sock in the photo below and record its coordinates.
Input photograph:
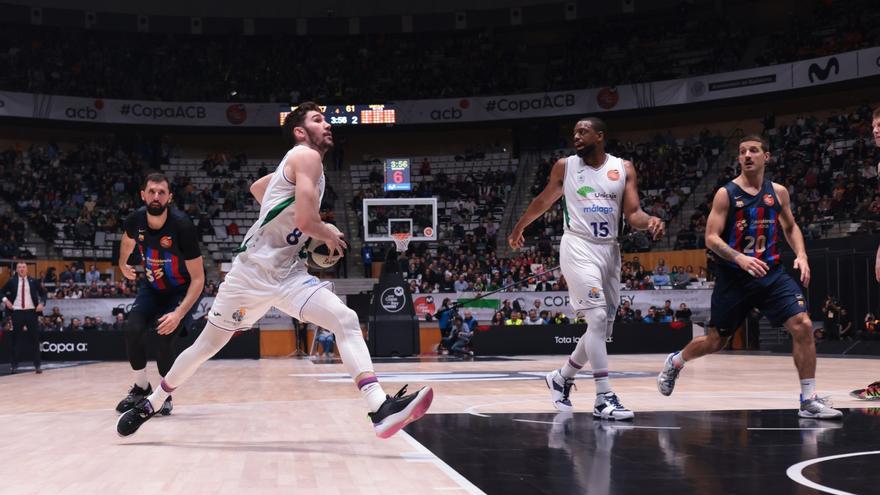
(596, 350)
(372, 392)
(140, 378)
(157, 398)
(603, 386)
(808, 388)
(678, 360)
(570, 368)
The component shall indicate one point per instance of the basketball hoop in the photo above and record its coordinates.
(401, 240)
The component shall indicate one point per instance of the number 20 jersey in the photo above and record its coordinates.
(752, 226)
(592, 198)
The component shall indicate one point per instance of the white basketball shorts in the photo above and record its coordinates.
(246, 295)
(592, 271)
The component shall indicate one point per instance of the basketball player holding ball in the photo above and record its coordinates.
(270, 271)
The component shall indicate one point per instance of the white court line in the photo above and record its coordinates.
(473, 409)
(534, 421)
(791, 429)
(619, 427)
(795, 472)
(431, 457)
(626, 427)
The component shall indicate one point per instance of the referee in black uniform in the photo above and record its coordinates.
(24, 297)
(167, 242)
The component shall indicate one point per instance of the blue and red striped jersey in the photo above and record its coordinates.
(164, 252)
(752, 226)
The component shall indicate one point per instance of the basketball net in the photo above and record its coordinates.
(401, 240)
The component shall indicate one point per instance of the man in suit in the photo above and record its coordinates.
(24, 297)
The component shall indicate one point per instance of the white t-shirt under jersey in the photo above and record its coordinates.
(274, 243)
(593, 198)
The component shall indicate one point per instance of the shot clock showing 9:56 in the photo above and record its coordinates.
(397, 174)
(351, 114)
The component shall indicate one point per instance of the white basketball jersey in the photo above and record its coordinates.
(593, 197)
(274, 243)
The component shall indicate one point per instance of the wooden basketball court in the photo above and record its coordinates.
(300, 426)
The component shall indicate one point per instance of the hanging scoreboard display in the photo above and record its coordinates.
(352, 114)
(397, 174)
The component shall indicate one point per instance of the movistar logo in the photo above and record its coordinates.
(585, 191)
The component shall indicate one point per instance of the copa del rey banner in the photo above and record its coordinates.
(698, 300)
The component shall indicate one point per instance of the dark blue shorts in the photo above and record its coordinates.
(776, 295)
(153, 304)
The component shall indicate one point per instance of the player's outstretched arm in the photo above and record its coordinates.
(542, 202)
(305, 166)
(793, 234)
(632, 208)
(714, 228)
(258, 188)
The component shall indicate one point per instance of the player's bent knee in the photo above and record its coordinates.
(799, 325)
(348, 325)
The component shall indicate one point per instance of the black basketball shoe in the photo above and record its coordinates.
(134, 396)
(401, 410)
(166, 408)
(132, 419)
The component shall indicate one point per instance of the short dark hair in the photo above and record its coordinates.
(296, 118)
(754, 137)
(596, 123)
(157, 177)
(876, 113)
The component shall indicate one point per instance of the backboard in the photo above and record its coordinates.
(385, 216)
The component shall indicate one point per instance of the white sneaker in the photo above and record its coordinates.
(608, 406)
(666, 378)
(559, 387)
(818, 408)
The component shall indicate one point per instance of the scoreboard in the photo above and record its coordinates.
(397, 174)
(351, 114)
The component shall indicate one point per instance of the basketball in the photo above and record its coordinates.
(318, 255)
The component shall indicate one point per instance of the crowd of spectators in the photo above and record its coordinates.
(677, 42)
(70, 193)
(827, 163)
(86, 188)
(12, 236)
(77, 282)
(832, 27)
(829, 166)
(463, 269)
